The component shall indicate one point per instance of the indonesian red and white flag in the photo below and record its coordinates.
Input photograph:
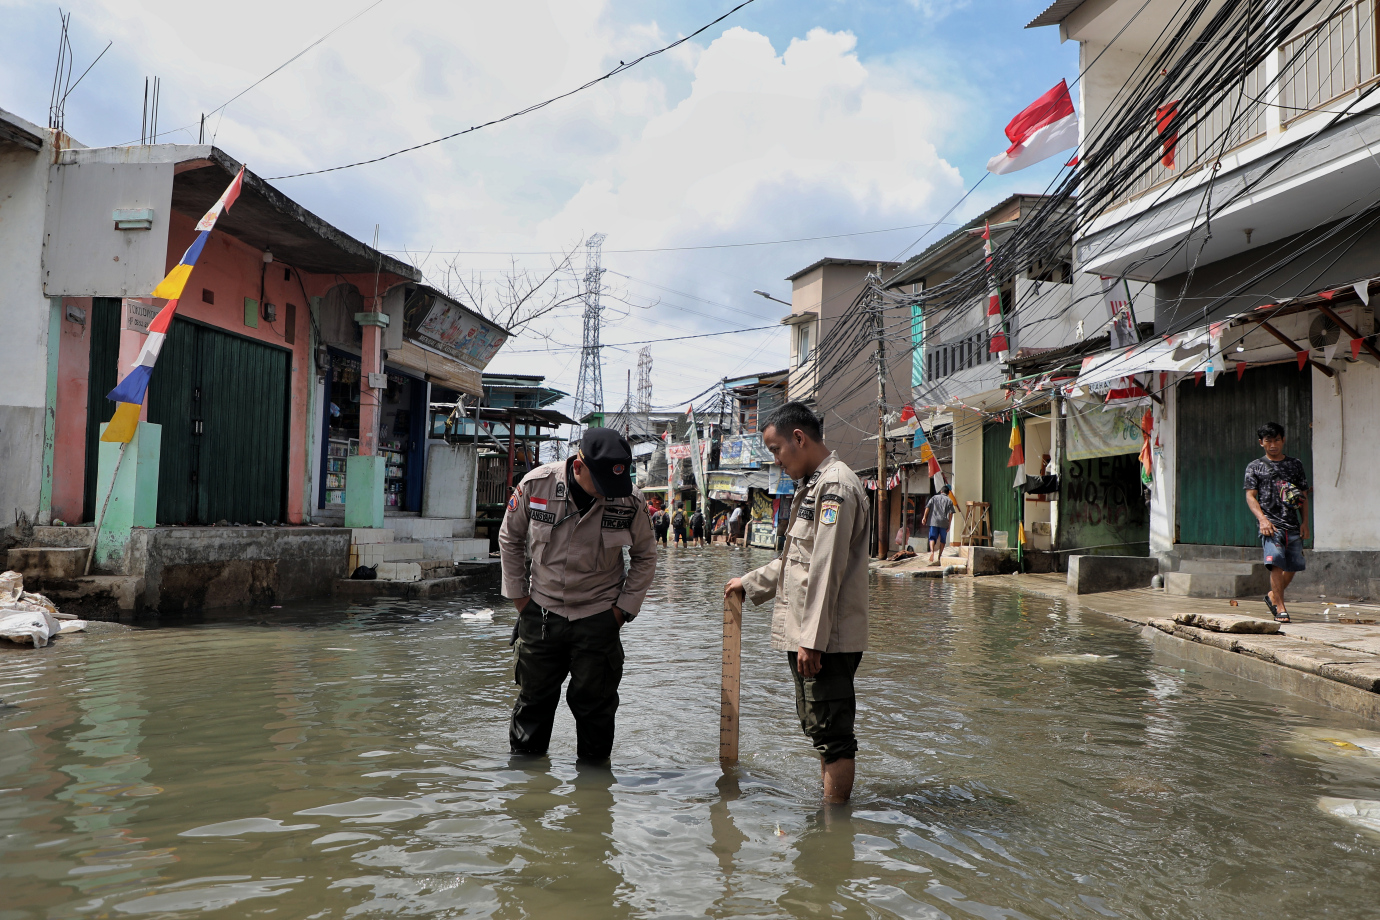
(1048, 126)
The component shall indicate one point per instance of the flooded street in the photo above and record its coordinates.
(326, 760)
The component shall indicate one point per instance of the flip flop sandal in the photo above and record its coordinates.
(1281, 616)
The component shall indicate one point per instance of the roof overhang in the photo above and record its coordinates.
(20, 132)
(1055, 13)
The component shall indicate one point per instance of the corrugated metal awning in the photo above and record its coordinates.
(1055, 13)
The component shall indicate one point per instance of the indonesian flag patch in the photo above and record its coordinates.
(536, 504)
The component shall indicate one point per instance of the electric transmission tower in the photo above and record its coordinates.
(589, 393)
(644, 388)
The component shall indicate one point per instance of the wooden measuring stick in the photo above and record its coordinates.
(731, 681)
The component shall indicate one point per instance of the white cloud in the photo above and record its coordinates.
(723, 142)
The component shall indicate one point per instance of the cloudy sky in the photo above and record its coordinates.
(791, 119)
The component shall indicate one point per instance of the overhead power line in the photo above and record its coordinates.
(622, 66)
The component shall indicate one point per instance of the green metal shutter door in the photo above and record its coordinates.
(172, 404)
(997, 479)
(222, 400)
(244, 451)
(104, 329)
(1216, 439)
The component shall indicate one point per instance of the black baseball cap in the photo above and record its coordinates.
(609, 459)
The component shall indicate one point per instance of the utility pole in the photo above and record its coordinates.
(589, 393)
(878, 330)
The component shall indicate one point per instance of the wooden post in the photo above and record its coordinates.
(732, 679)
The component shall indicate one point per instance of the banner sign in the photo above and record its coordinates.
(678, 451)
(1097, 432)
(453, 330)
(743, 451)
(778, 483)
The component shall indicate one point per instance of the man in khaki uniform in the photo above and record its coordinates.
(820, 585)
(572, 519)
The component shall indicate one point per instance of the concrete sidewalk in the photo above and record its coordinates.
(1330, 655)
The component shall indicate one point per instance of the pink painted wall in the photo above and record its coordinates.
(69, 450)
(231, 270)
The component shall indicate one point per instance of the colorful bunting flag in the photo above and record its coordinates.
(996, 330)
(129, 393)
(1240, 369)
(1017, 450)
(1303, 358)
(1166, 125)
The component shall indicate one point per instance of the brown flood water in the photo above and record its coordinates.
(331, 760)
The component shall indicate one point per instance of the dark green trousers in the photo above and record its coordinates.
(827, 705)
(550, 647)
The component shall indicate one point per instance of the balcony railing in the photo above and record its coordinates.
(1317, 68)
(1238, 120)
(1329, 61)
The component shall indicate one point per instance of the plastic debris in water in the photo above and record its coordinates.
(485, 614)
(1363, 813)
(1085, 658)
(779, 831)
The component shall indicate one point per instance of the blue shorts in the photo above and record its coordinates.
(1283, 551)
(940, 534)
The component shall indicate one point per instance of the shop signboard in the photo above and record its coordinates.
(453, 330)
(778, 483)
(742, 451)
(727, 487)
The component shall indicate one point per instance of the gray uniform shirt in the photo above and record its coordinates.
(820, 580)
(577, 559)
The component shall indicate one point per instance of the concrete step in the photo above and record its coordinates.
(50, 535)
(1219, 567)
(469, 550)
(44, 565)
(97, 596)
(370, 535)
(420, 528)
(1218, 584)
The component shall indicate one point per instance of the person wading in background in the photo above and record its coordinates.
(820, 586)
(572, 520)
(678, 524)
(939, 511)
(661, 522)
(1277, 494)
(697, 527)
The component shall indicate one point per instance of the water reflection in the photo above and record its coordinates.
(1016, 761)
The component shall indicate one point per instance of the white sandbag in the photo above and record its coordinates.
(72, 625)
(11, 587)
(27, 624)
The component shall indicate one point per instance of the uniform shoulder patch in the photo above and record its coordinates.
(831, 497)
(515, 499)
(829, 509)
(560, 488)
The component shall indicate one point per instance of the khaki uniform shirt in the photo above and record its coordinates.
(820, 579)
(577, 559)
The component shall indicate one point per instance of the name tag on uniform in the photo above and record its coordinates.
(617, 518)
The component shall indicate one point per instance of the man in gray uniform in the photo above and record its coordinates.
(820, 586)
(572, 520)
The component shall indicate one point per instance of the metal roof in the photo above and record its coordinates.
(1055, 13)
(830, 260)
